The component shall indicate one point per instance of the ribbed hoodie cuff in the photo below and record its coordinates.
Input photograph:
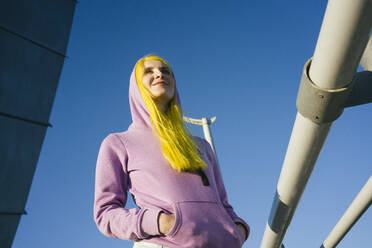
(149, 223)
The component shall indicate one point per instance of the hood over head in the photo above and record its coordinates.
(177, 143)
(138, 109)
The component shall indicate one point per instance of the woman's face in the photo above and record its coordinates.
(158, 80)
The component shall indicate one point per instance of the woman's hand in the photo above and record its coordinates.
(242, 229)
(166, 222)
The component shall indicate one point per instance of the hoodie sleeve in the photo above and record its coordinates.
(111, 186)
(222, 190)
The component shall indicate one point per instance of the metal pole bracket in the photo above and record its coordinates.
(317, 104)
(362, 89)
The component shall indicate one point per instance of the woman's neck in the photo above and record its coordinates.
(163, 107)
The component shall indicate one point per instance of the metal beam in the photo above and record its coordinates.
(341, 42)
(204, 122)
(361, 92)
(356, 209)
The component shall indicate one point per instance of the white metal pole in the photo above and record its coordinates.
(366, 60)
(207, 132)
(341, 41)
(360, 204)
(204, 122)
(306, 141)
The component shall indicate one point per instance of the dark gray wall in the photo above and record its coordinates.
(33, 40)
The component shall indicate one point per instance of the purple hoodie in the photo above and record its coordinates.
(132, 161)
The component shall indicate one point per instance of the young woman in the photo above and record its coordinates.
(173, 176)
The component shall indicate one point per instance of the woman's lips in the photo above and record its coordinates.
(160, 82)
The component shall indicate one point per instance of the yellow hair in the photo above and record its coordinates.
(176, 141)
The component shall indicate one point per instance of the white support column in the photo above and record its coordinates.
(207, 132)
(205, 123)
(341, 42)
(360, 204)
(366, 60)
(342, 39)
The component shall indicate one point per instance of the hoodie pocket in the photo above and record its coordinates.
(203, 224)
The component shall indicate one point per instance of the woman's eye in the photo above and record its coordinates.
(147, 71)
(166, 71)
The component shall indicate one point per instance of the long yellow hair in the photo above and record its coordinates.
(177, 143)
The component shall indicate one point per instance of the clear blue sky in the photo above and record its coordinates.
(238, 60)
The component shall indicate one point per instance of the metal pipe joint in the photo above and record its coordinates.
(318, 104)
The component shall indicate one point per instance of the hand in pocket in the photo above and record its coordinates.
(166, 222)
(242, 229)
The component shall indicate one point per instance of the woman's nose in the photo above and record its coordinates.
(158, 74)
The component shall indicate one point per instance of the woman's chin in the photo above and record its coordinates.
(163, 98)
(162, 95)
